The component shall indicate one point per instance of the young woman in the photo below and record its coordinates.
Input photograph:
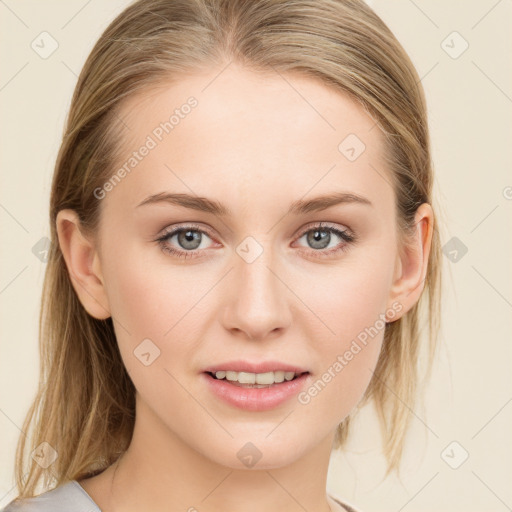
(243, 245)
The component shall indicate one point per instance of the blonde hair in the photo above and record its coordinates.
(85, 404)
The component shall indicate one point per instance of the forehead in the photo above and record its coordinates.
(249, 134)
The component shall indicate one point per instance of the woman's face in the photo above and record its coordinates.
(254, 279)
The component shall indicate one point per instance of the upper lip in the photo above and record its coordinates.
(254, 367)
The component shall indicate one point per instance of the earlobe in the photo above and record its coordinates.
(409, 279)
(83, 264)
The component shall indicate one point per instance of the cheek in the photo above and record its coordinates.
(348, 306)
(348, 357)
(157, 311)
(152, 308)
(149, 295)
(344, 300)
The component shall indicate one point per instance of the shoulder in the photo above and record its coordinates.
(68, 497)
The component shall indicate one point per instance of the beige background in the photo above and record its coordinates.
(470, 106)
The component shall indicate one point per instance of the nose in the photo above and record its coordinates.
(256, 305)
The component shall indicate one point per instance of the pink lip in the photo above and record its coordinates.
(256, 399)
(262, 367)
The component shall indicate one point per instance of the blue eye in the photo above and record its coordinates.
(320, 237)
(191, 237)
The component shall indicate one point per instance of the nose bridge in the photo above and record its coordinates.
(258, 304)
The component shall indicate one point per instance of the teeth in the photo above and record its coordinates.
(255, 378)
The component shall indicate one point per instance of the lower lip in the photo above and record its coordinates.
(256, 399)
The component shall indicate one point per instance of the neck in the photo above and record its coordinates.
(166, 472)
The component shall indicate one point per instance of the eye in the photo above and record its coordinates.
(188, 238)
(320, 238)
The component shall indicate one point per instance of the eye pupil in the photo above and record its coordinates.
(319, 238)
(187, 239)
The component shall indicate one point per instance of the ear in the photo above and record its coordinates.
(411, 267)
(83, 264)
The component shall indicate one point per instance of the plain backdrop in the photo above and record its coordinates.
(461, 50)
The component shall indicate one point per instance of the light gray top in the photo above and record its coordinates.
(68, 497)
(72, 497)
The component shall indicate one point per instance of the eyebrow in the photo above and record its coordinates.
(298, 207)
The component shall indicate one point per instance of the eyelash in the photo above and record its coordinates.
(343, 234)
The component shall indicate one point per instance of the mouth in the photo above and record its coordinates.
(255, 396)
(256, 381)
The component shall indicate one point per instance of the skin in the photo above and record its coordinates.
(256, 145)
